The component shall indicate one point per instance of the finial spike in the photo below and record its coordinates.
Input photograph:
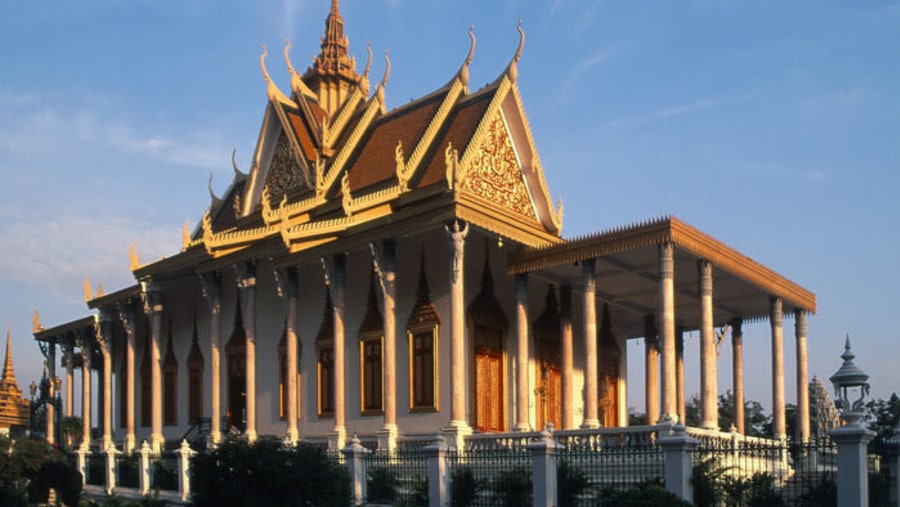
(238, 175)
(212, 195)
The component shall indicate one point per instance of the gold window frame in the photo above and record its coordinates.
(411, 331)
(364, 339)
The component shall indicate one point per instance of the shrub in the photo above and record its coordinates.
(571, 483)
(513, 487)
(238, 473)
(464, 487)
(651, 494)
(381, 485)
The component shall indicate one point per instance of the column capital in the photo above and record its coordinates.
(800, 322)
(334, 267)
(384, 260)
(666, 261)
(776, 313)
(588, 275)
(151, 296)
(125, 312)
(211, 288)
(456, 232)
(246, 274)
(103, 329)
(704, 269)
(565, 301)
(286, 283)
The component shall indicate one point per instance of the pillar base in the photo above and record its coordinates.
(157, 444)
(590, 424)
(337, 439)
(106, 442)
(522, 427)
(130, 444)
(455, 434)
(292, 435)
(387, 437)
(250, 435)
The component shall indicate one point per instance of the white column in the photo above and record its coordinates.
(737, 373)
(334, 280)
(69, 349)
(105, 339)
(522, 423)
(778, 415)
(126, 316)
(211, 285)
(384, 256)
(709, 395)
(153, 308)
(51, 407)
(246, 282)
(86, 348)
(568, 391)
(651, 370)
(667, 330)
(802, 376)
(679, 374)
(287, 289)
(591, 394)
(456, 232)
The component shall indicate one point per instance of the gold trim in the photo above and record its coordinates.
(411, 331)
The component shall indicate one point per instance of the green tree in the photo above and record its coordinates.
(755, 418)
(71, 428)
(238, 473)
(883, 416)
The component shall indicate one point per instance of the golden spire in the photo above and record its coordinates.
(333, 72)
(9, 376)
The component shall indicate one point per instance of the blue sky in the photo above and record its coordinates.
(771, 125)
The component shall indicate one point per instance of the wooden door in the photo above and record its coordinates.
(489, 396)
(548, 395)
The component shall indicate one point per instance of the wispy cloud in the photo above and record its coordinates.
(29, 125)
(579, 72)
(81, 245)
(666, 112)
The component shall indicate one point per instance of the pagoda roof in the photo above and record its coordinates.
(627, 269)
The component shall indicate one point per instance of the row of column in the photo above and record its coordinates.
(669, 341)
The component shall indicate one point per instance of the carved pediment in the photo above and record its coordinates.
(494, 173)
(284, 172)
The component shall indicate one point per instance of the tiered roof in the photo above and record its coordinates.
(14, 408)
(332, 162)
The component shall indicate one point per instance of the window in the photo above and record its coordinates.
(370, 350)
(195, 379)
(170, 382)
(326, 380)
(423, 329)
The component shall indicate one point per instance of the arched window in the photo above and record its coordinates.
(325, 360)
(422, 330)
(195, 378)
(170, 383)
(487, 328)
(371, 353)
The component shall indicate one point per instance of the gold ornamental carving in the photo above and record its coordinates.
(284, 172)
(494, 173)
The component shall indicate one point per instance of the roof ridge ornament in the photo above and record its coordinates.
(346, 198)
(36, 325)
(364, 79)
(88, 293)
(513, 71)
(212, 195)
(379, 93)
(185, 234)
(238, 175)
(400, 167)
(463, 73)
(297, 84)
(272, 91)
(133, 258)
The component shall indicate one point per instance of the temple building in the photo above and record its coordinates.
(15, 414)
(397, 273)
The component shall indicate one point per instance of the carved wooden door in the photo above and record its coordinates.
(548, 395)
(489, 413)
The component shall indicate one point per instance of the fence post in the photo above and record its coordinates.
(144, 468)
(184, 481)
(677, 447)
(543, 458)
(81, 462)
(111, 468)
(353, 456)
(853, 470)
(438, 472)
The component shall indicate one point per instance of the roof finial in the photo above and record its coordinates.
(133, 258)
(36, 325)
(513, 70)
(238, 175)
(272, 91)
(212, 195)
(88, 293)
(464, 70)
(364, 79)
(387, 72)
(297, 84)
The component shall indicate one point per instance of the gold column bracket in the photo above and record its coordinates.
(206, 224)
